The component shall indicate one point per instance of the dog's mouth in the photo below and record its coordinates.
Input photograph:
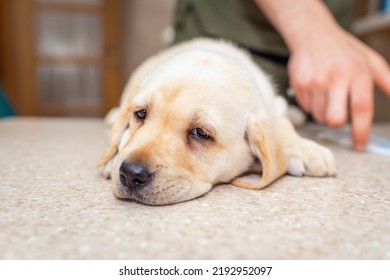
(148, 202)
(155, 195)
(151, 201)
(137, 200)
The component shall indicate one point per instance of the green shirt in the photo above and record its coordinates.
(242, 22)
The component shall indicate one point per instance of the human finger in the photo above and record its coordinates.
(362, 107)
(318, 105)
(303, 98)
(299, 70)
(337, 105)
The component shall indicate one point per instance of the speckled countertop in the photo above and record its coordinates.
(55, 205)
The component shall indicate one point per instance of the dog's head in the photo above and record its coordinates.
(196, 120)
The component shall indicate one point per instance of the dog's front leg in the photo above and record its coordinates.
(106, 169)
(305, 157)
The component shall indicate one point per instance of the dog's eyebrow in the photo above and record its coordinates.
(141, 100)
(198, 120)
(140, 103)
(140, 106)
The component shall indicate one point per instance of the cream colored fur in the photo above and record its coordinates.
(215, 86)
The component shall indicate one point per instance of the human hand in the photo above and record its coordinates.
(333, 75)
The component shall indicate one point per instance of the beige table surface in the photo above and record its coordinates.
(55, 205)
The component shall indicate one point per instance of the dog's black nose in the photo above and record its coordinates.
(134, 175)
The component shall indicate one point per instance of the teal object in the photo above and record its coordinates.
(386, 6)
(5, 107)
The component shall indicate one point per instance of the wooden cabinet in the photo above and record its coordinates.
(372, 26)
(60, 57)
(373, 16)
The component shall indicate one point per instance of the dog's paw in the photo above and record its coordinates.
(106, 170)
(309, 158)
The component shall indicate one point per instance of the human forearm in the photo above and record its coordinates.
(298, 21)
(332, 72)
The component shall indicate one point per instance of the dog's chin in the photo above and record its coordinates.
(156, 196)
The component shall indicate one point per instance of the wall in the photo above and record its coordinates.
(143, 23)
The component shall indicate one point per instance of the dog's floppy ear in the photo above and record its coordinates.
(265, 144)
(119, 126)
(117, 130)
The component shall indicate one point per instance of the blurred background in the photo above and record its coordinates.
(73, 57)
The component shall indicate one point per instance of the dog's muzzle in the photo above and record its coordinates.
(134, 176)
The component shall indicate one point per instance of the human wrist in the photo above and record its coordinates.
(299, 36)
(301, 22)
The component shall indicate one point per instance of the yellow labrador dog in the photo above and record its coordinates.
(199, 114)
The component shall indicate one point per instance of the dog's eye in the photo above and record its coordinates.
(141, 114)
(200, 133)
